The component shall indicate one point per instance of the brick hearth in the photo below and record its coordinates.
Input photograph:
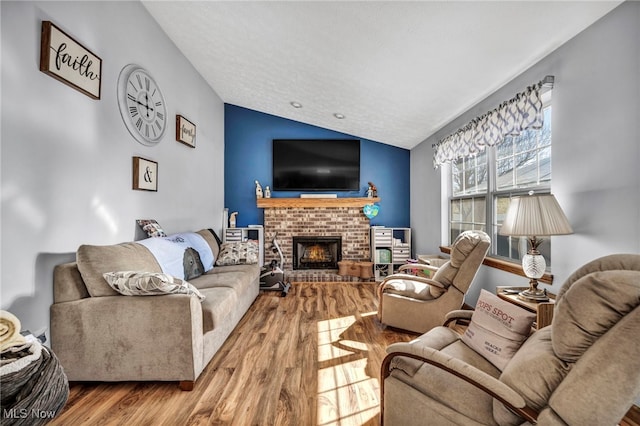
(348, 222)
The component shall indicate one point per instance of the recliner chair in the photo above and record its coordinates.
(418, 304)
(583, 369)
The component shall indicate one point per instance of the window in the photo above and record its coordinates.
(469, 186)
(481, 186)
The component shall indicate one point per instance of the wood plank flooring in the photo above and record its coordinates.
(311, 358)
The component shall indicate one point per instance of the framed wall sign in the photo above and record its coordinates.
(145, 174)
(185, 131)
(68, 61)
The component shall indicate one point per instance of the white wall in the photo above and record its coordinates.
(596, 149)
(425, 201)
(66, 158)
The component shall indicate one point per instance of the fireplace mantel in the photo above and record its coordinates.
(266, 203)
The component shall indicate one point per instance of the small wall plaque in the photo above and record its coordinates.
(145, 174)
(185, 131)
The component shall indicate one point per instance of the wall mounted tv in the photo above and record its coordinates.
(316, 165)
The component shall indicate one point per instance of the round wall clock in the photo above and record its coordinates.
(141, 105)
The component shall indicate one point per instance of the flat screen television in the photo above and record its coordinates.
(316, 164)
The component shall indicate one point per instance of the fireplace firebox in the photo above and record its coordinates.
(311, 252)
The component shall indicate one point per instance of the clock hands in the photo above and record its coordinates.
(145, 105)
(146, 99)
(140, 103)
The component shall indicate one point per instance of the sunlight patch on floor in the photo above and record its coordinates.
(346, 393)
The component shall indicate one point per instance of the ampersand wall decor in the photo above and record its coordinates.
(145, 174)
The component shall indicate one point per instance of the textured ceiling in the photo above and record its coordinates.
(398, 71)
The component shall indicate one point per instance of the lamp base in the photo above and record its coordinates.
(534, 265)
(533, 295)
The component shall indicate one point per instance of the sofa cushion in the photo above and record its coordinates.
(135, 283)
(238, 277)
(217, 307)
(93, 261)
(238, 253)
(497, 329)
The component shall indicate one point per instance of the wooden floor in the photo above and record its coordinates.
(311, 358)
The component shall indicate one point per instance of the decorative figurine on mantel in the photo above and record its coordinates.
(232, 220)
(258, 190)
(267, 192)
(372, 192)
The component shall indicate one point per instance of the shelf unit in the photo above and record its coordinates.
(231, 235)
(390, 249)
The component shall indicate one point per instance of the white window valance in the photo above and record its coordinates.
(522, 112)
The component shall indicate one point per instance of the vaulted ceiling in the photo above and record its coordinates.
(397, 71)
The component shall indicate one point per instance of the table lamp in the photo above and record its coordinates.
(534, 216)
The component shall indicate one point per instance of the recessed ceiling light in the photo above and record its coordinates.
(339, 116)
(296, 104)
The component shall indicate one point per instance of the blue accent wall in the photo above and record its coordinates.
(247, 158)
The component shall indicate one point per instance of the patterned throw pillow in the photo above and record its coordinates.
(238, 253)
(151, 227)
(134, 283)
(497, 329)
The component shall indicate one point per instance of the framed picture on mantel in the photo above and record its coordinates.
(185, 131)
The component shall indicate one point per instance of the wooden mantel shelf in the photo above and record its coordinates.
(266, 203)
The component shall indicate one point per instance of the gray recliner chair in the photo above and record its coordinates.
(583, 369)
(418, 303)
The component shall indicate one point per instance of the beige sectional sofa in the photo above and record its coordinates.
(100, 335)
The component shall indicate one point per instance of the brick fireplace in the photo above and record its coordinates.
(348, 223)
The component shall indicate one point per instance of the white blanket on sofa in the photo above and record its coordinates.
(170, 252)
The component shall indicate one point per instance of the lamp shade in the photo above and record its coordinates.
(535, 215)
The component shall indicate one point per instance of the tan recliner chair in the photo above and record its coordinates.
(418, 304)
(584, 369)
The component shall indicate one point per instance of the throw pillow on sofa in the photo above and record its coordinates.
(135, 283)
(497, 329)
(238, 253)
(151, 227)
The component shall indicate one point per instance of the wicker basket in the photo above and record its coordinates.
(32, 381)
(366, 269)
(354, 268)
(348, 267)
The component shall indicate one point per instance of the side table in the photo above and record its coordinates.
(543, 310)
